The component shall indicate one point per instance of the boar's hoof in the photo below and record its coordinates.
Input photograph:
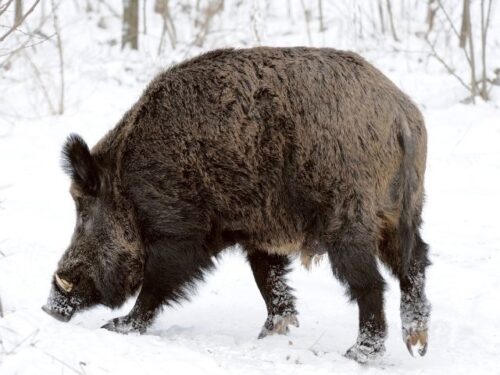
(366, 350)
(125, 325)
(416, 338)
(278, 324)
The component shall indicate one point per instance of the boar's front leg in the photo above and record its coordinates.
(171, 270)
(270, 272)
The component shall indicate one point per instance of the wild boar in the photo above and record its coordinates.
(283, 151)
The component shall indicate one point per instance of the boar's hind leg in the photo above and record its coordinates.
(171, 270)
(415, 309)
(270, 272)
(351, 254)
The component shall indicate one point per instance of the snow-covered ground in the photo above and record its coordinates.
(216, 333)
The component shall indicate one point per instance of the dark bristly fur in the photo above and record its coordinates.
(281, 150)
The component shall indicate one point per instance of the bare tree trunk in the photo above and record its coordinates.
(431, 15)
(465, 35)
(465, 28)
(381, 15)
(256, 19)
(391, 20)
(60, 110)
(485, 20)
(18, 11)
(172, 33)
(307, 17)
(144, 18)
(321, 18)
(482, 92)
(356, 22)
(469, 36)
(162, 8)
(130, 27)
(210, 11)
(88, 7)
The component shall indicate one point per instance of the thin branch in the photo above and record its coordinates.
(4, 7)
(38, 76)
(111, 9)
(23, 46)
(30, 336)
(60, 361)
(26, 43)
(454, 30)
(19, 22)
(391, 21)
(488, 14)
(448, 68)
(172, 33)
(162, 7)
(449, 19)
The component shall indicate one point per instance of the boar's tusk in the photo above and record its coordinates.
(65, 285)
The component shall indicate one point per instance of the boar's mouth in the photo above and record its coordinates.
(61, 306)
(57, 315)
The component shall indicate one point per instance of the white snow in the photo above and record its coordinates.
(216, 333)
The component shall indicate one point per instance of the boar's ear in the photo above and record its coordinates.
(80, 165)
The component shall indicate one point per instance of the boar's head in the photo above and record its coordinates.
(104, 261)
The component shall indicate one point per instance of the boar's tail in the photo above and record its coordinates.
(407, 186)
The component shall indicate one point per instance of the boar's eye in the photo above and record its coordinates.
(84, 216)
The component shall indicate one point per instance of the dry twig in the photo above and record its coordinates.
(212, 9)
(446, 66)
(19, 21)
(38, 77)
(61, 58)
(391, 21)
(4, 7)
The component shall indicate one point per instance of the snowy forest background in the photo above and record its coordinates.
(77, 65)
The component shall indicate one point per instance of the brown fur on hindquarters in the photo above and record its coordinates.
(287, 150)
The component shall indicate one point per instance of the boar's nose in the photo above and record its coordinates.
(55, 314)
(60, 306)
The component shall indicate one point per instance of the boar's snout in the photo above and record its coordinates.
(57, 315)
(60, 306)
